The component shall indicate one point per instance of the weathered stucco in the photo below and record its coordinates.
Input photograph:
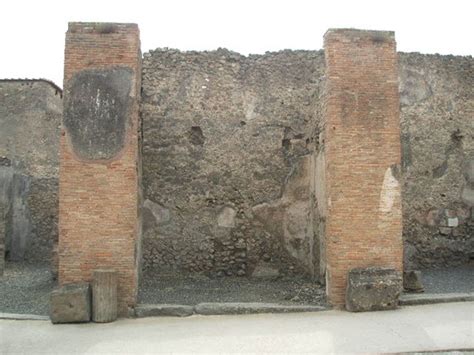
(30, 116)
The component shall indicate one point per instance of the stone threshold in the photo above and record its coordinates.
(18, 316)
(216, 308)
(431, 298)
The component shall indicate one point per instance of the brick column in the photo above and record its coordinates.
(361, 133)
(99, 182)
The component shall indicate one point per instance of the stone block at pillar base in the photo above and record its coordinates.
(412, 281)
(373, 289)
(71, 303)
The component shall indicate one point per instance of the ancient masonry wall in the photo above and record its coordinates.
(233, 162)
(361, 138)
(228, 144)
(99, 155)
(30, 119)
(233, 136)
(437, 120)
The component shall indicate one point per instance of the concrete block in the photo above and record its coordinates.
(373, 289)
(412, 281)
(71, 303)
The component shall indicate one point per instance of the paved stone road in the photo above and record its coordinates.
(416, 328)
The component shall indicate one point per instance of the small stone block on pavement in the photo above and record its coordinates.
(412, 281)
(71, 303)
(104, 296)
(373, 289)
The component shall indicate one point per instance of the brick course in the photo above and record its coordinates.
(98, 200)
(362, 153)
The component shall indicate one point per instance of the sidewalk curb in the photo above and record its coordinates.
(220, 308)
(432, 298)
(16, 316)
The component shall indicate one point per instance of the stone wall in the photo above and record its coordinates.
(437, 119)
(230, 162)
(30, 118)
(227, 136)
(227, 152)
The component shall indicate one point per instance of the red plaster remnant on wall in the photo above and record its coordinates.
(362, 154)
(98, 199)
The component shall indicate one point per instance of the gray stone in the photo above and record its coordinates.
(373, 289)
(251, 308)
(469, 171)
(104, 296)
(71, 303)
(226, 217)
(445, 230)
(163, 310)
(266, 271)
(468, 196)
(161, 214)
(412, 281)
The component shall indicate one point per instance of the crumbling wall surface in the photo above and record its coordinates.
(226, 161)
(30, 116)
(437, 119)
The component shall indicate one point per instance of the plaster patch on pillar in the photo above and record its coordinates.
(96, 104)
(389, 193)
(389, 199)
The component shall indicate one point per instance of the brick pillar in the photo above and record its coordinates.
(99, 182)
(361, 132)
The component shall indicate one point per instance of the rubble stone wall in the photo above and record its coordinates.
(437, 121)
(231, 163)
(227, 138)
(30, 119)
(228, 144)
